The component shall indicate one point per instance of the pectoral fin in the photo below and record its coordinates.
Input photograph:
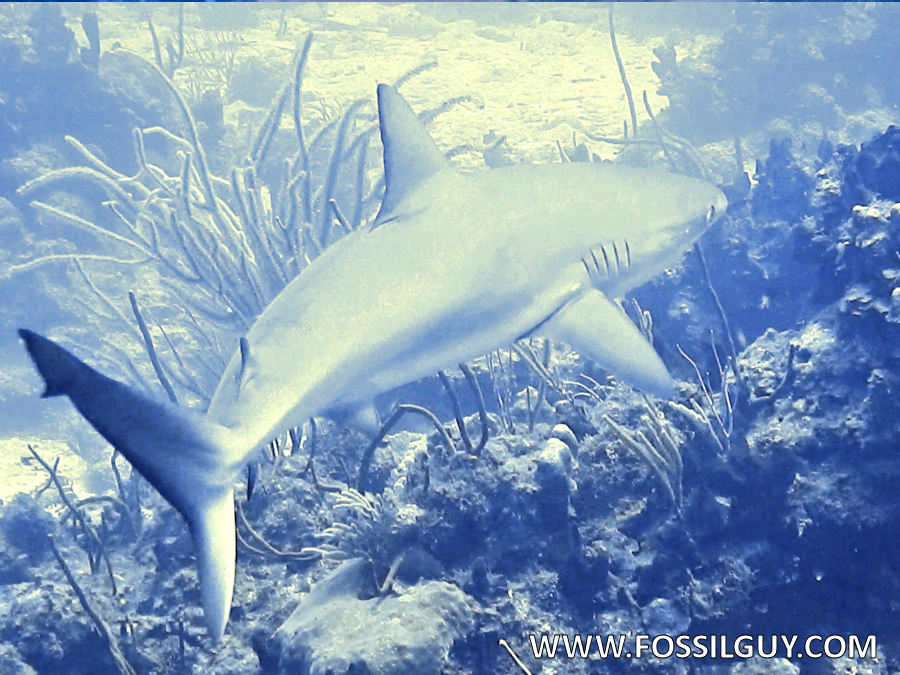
(599, 330)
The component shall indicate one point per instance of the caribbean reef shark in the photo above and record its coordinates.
(454, 266)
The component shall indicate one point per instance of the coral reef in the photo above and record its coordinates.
(774, 64)
(527, 493)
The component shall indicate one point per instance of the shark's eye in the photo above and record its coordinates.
(711, 214)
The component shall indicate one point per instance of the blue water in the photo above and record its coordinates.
(166, 172)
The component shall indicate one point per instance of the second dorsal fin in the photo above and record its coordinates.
(245, 362)
(410, 154)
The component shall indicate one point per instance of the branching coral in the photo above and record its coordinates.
(174, 52)
(446, 440)
(365, 526)
(122, 664)
(96, 548)
(224, 247)
(658, 448)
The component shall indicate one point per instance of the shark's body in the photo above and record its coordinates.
(454, 266)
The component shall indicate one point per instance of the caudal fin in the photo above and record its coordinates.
(214, 541)
(184, 457)
(56, 366)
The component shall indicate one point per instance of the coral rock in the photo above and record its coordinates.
(341, 626)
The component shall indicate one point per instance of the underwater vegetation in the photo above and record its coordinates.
(538, 494)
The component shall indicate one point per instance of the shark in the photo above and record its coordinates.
(453, 266)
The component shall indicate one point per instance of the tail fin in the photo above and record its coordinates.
(56, 365)
(212, 531)
(183, 456)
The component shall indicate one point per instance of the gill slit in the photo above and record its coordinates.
(622, 262)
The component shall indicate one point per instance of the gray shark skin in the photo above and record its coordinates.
(454, 266)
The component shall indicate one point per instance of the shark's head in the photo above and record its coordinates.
(673, 215)
(684, 208)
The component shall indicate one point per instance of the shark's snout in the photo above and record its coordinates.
(717, 204)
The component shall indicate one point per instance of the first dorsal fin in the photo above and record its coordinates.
(410, 154)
